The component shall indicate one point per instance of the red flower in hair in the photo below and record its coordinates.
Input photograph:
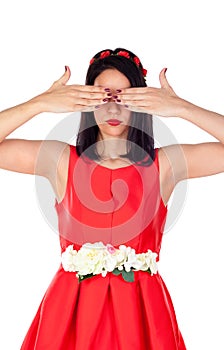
(136, 60)
(144, 72)
(105, 54)
(123, 53)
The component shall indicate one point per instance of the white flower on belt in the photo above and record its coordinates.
(97, 258)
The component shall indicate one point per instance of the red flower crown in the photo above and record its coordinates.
(126, 54)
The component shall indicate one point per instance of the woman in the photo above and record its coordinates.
(112, 191)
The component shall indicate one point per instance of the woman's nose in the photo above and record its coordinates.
(113, 107)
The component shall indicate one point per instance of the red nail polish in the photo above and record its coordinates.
(66, 67)
(165, 70)
(105, 99)
(118, 100)
(118, 90)
(107, 90)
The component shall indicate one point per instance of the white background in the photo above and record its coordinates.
(37, 39)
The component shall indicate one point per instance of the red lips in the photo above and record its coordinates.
(114, 122)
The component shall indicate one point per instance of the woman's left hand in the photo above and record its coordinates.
(161, 101)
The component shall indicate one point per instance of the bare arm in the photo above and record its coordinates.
(202, 159)
(186, 160)
(21, 155)
(211, 122)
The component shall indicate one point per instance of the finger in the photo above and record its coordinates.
(137, 106)
(91, 94)
(81, 108)
(143, 103)
(135, 94)
(136, 97)
(92, 88)
(85, 108)
(138, 90)
(89, 102)
(90, 108)
(139, 109)
(163, 80)
(63, 80)
(65, 77)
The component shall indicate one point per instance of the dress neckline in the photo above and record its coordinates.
(120, 168)
(105, 167)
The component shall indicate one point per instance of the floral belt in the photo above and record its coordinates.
(96, 258)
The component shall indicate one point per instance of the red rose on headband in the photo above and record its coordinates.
(123, 53)
(105, 54)
(136, 60)
(92, 60)
(144, 72)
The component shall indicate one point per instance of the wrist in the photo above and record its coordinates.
(38, 104)
(186, 109)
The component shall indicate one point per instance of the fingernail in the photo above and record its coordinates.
(105, 99)
(109, 94)
(107, 90)
(115, 96)
(66, 67)
(126, 106)
(165, 70)
(97, 107)
(118, 90)
(118, 100)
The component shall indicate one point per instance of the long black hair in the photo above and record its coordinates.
(140, 139)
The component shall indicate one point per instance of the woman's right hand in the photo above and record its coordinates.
(62, 98)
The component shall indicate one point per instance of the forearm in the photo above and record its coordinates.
(12, 118)
(209, 121)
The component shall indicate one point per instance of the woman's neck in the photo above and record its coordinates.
(111, 147)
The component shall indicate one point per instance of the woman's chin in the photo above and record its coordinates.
(114, 131)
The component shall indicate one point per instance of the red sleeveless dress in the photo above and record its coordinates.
(116, 206)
